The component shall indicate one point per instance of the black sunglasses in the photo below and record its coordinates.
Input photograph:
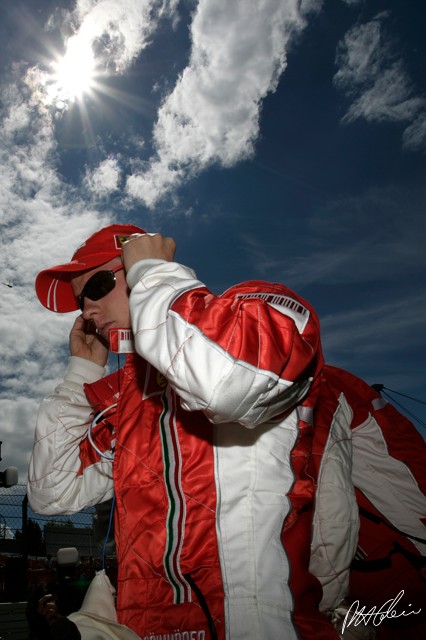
(98, 286)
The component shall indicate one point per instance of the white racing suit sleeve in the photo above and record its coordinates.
(55, 484)
(240, 357)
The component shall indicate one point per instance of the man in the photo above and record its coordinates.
(204, 436)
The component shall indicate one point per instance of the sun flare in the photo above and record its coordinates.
(73, 75)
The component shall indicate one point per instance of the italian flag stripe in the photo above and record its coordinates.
(175, 525)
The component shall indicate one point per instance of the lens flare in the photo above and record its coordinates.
(73, 75)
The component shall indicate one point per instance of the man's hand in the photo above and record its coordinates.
(147, 246)
(47, 608)
(86, 343)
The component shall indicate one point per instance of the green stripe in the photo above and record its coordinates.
(172, 505)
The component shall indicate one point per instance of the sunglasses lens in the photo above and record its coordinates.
(101, 283)
(98, 286)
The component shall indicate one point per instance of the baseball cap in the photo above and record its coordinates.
(53, 286)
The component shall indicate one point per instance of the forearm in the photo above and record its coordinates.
(58, 481)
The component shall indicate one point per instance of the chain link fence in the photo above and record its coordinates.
(29, 543)
(13, 514)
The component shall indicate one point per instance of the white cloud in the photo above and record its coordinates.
(16, 120)
(120, 29)
(360, 56)
(42, 222)
(212, 115)
(104, 179)
(415, 135)
(18, 418)
(158, 180)
(376, 81)
(387, 99)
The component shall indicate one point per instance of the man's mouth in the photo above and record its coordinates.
(103, 329)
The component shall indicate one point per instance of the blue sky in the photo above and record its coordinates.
(281, 140)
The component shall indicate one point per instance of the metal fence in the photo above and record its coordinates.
(29, 543)
(15, 513)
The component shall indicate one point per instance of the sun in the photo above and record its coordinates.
(73, 74)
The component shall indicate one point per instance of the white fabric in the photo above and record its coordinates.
(53, 484)
(399, 497)
(251, 509)
(336, 521)
(97, 618)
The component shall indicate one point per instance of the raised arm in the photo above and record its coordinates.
(246, 356)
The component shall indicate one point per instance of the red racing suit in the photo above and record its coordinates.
(212, 443)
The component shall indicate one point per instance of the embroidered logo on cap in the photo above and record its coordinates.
(119, 241)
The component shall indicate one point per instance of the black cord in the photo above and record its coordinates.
(111, 520)
(402, 394)
(421, 422)
(380, 520)
(380, 388)
(203, 604)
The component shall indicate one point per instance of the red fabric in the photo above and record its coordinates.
(145, 597)
(253, 331)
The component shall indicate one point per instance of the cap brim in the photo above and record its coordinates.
(53, 285)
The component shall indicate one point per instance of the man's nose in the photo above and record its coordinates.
(89, 309)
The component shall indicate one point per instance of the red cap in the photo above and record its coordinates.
(53, 286)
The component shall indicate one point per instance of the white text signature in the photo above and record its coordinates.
(375, 616)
